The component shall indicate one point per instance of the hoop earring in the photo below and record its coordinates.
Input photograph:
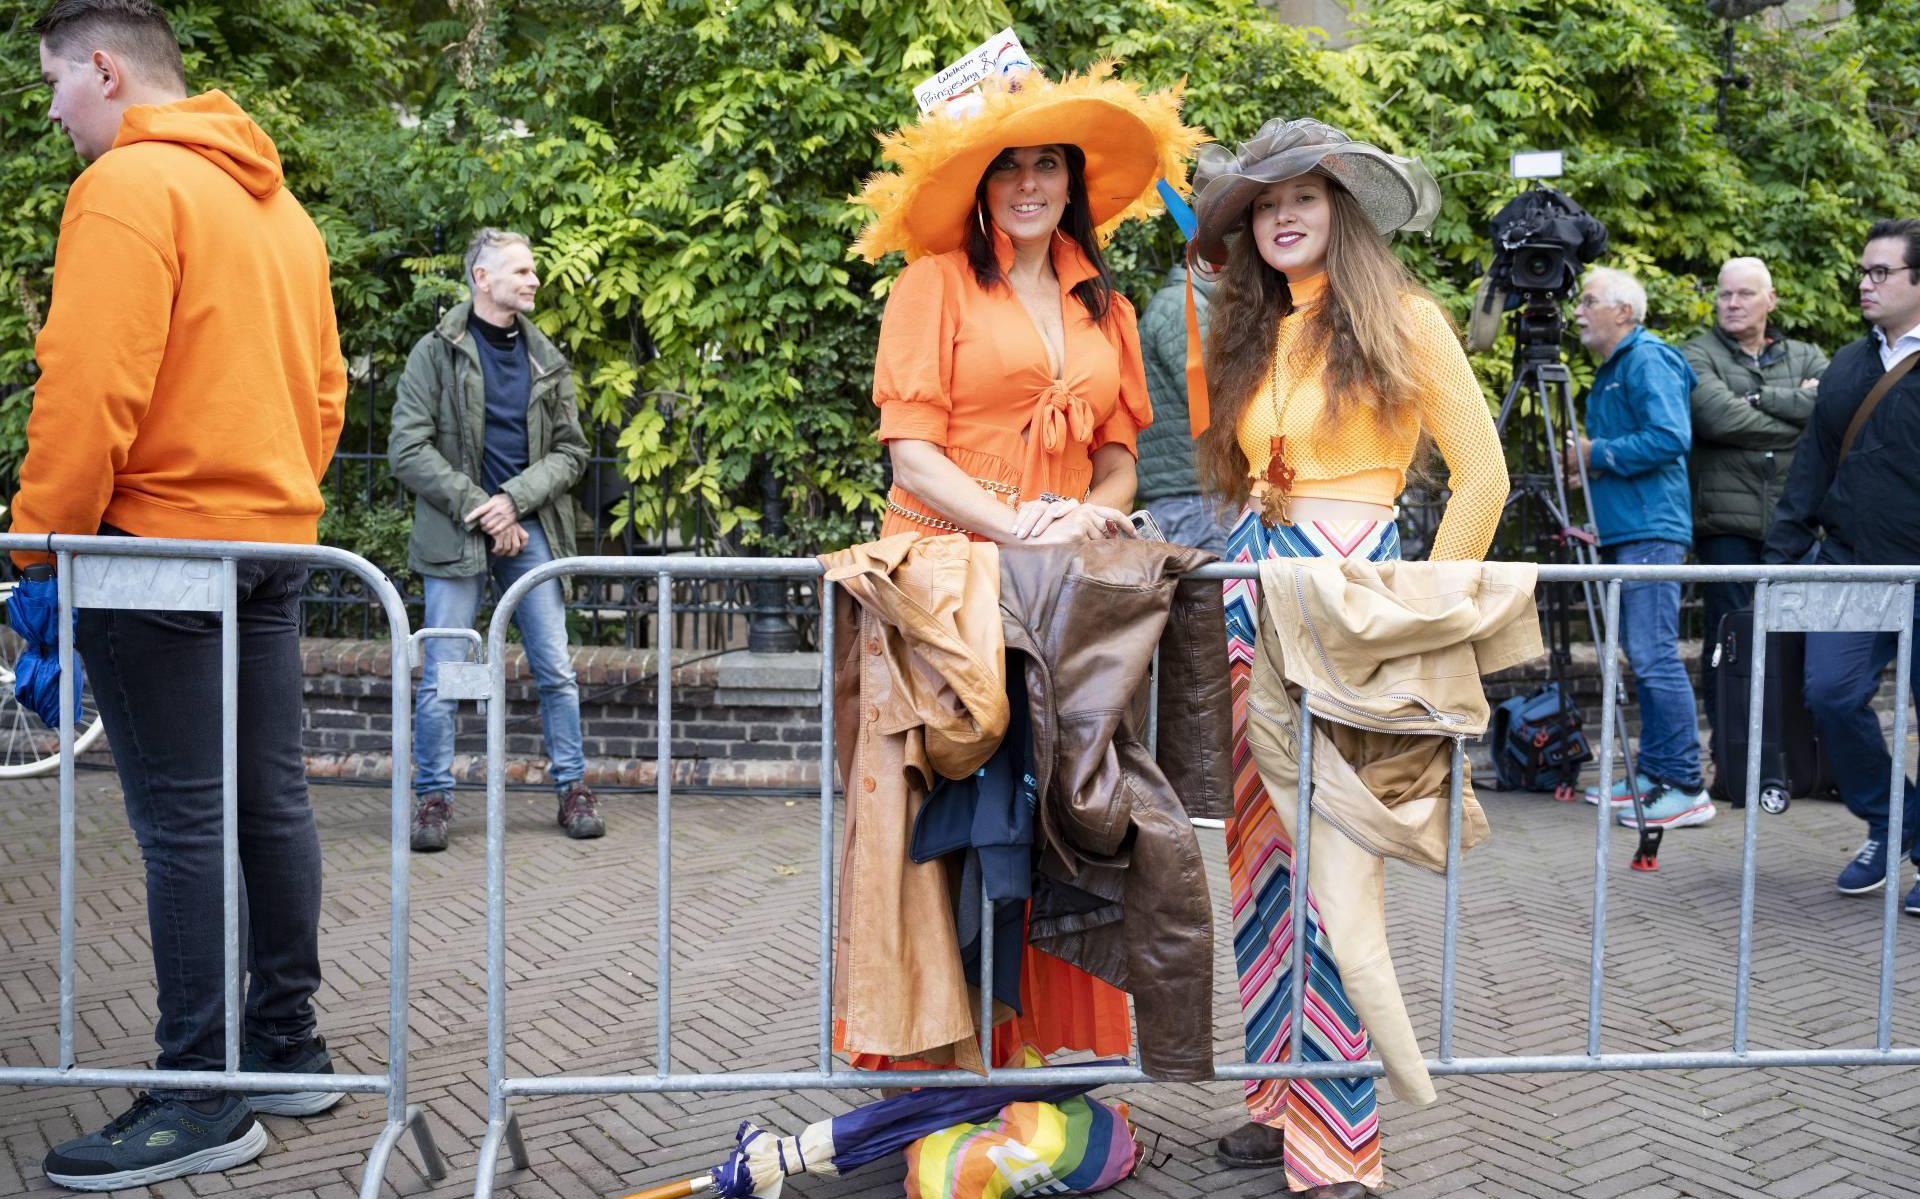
(980, 214)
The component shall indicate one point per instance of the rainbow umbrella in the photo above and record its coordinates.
(761, 1162)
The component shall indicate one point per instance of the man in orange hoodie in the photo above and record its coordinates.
(191, 387)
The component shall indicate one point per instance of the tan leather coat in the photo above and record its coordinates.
(1390, 656)
(919, 673)
(1131, 905)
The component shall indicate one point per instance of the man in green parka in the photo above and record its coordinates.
(1754, 394)
(487, 437)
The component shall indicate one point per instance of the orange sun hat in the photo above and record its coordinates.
(1131, 140)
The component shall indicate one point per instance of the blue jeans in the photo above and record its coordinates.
(1650, 626)
(156, 677)
(1191, 520)
(542, 621)
(1843, 675)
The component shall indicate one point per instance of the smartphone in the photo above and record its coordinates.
(1145, 527)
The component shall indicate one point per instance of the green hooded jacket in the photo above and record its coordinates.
(1166, 445)
(1741, 450)
(438, 431)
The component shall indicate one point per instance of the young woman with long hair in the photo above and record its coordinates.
(1329, 372)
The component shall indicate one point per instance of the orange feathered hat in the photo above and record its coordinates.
(1130, 138)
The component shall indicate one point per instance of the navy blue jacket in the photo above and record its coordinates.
(1641, 423)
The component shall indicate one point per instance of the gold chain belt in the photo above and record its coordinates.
(1010, 493)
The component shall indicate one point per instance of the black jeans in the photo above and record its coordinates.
(1721, 549)
(156, 678)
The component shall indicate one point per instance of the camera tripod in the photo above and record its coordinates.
(1542, 383)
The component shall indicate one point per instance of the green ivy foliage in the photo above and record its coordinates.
(684, 166)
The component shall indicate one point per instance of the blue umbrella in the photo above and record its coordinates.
(761, 1162)
(34, 612)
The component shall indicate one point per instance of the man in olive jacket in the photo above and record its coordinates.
(1169, 486)
(486, 436)
(1754, 393)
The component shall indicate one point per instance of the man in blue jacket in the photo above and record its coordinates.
(1641, 428)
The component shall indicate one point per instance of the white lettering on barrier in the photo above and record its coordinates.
(1836, 608)
(147, 584)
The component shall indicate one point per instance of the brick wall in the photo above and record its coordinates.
(739, 719)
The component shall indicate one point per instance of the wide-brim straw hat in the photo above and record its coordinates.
(1396, 193)
(1131, 139)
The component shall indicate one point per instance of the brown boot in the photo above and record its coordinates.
(430, 815)
(1252, 1146)
(580, 814)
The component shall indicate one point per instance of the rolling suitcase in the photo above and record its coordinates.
(1792, 763)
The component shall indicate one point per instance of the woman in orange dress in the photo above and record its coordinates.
(1009, 376)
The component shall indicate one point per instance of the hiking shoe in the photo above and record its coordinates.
(1620, 795)
(1252, 1146)
(1867, 872)
(580, 813)
(158, 1139)
(310, 1058)
(431, 812)
(1669, 807)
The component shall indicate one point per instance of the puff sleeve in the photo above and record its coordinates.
(1134, 411)
(913, 367)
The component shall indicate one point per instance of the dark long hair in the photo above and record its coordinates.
(1095, 294)
(1361, 330)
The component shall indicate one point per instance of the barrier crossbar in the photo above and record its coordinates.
(1787, 599)
(200, 576)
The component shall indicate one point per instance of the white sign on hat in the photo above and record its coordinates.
(1000, 54)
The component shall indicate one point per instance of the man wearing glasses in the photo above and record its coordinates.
(1754, 395)
(1855, 486)
(1636, 462)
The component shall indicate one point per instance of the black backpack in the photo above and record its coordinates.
(1537, 742)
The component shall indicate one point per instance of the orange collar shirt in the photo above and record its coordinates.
(965, 369)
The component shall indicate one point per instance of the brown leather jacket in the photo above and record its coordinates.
(1128, 897)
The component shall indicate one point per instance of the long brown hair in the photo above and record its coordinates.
(1361, 327)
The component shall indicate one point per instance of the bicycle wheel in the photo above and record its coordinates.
(28, 748)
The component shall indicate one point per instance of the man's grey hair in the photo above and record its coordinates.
(487, 240)
(1618, 287)
(1749, 264)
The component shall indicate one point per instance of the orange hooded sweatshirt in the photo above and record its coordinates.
(191, 383)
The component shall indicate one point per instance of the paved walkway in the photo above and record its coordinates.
(581, 949)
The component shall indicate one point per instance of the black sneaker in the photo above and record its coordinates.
(580, 813)
(431, 812)
(158, 1139)
(310, 1058)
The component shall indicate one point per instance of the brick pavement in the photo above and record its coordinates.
(581, 955)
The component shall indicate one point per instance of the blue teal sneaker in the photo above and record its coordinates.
(1669, 807)
(1620, 796)
(158, 1139)
(1867, 872)
(1913, 899)
(310, 1058)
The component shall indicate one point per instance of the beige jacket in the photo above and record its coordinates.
(1390, 656)
(920, 672)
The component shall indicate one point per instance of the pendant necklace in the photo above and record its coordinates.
(1279, 476)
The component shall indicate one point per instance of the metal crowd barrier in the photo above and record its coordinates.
(200, 576)
(1787, 598)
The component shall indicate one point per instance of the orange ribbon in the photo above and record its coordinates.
(1061, 413)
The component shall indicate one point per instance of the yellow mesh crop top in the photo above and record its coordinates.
(1358, 460)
